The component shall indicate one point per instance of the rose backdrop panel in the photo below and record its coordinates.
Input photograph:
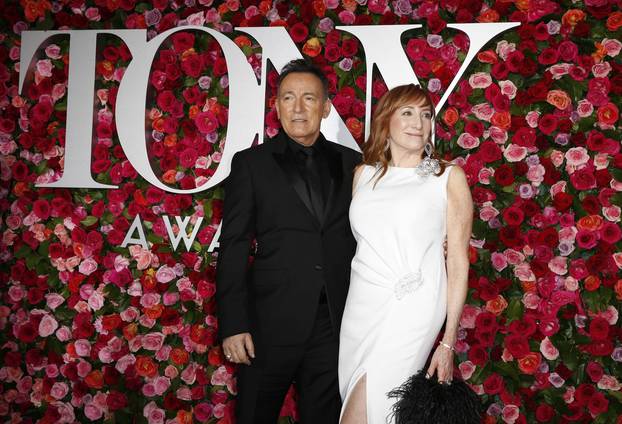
(95, 332)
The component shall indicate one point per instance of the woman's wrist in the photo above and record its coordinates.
(447, 346)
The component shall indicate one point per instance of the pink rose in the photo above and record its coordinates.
(53, 51)
(153, 341)
(170, 298)
(531, 300)
(558, 265)
(47, 326)
(510, 413)
(469, 314)
(535, 174)
(347, 17)
(612, 47)
(130, 314)
(96, 301)
(612, 213)
(532, 118)
(54, 300)
(59, 390)
(124, 362)
(165, 274)
(467, 141)
(83, 347)
(577, 156)
(164, 353)
(184, 393)
(608, 382)
(499, 261)
(498, 135)
(51, 371)
(88, 266)
(483, 111)
(466, 369)
(171, 371)
(487, 213)
(480, 80)
(508, 88)
(188, 375)
(156, 416)
(149, 300)
(515, 153)
(161, 385)
(93, 412)
(484, 175)
(44, 67)
(63, 334)
(203, 411)
(558, 187)
(548, 350)
(149, 390)
(16, 293)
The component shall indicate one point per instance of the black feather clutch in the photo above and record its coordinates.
(425, 401)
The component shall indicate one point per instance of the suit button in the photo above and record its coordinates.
(318, 267)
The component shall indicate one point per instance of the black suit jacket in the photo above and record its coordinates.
(276, 298)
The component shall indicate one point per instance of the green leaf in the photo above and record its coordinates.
(89, 220)
(514, 310)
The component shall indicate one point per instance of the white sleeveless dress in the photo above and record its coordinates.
(397, 299)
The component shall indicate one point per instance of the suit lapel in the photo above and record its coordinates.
(286, 161)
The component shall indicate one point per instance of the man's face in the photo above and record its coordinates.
(301, 105)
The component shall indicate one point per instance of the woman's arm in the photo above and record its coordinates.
(459, 223)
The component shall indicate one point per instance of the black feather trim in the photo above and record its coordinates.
(425, 401)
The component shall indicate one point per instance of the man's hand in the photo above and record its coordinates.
(239, 348)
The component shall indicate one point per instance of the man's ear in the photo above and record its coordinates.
(326, 111)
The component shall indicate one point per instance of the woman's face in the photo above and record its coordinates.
(410, 127)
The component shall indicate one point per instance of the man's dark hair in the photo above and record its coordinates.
(304, 66)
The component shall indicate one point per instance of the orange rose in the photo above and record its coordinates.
(528, 286)
(451, 116)
(192, 111)
(573, 17)
(496, 305)
(502, 120)
(20, 188)
(184, 417)
(608, 114)
(491, 15)
(158, 125)
(155, 311)
(95, 379)
(187, 53)
(33, 9)
(105, 68)
(242, 41)
(590, 223)
(264, 7)
(169, 176)
(559, 99)
(179, 356)
(148, 280)
(170, 140)
(488, 56)
(530, 363)
(618, 289)
(522, 5)
(145, 367)
(592, 283)
(197, 333)
(319, 8)
(130, 331)
(312, 47)
(71, 350)
(355, 127)
(614, 21)
(349, 5)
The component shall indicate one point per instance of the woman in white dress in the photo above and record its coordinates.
(405, 204)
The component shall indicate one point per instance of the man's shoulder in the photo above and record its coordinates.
(347, 152)
(256, 151)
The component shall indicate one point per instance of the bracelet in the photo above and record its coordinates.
(445, 345)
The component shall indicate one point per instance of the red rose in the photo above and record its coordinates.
(332, 52)
(544, 413)
(525, 137)
(435, 23)
(548, 56)
(583, 179)
(511, 236)
(608, 114)
(20, 171)
(504, 175)
(478, 355)
(517, 345)
(599, 329)
(562, 201)
(529, 363)
(489, 151)
(547, 123)
(595, 371)
(27, 332)
(493, 384)
(513, 216)
(598, 404)
(116, 400)
(610, 233)
(349, 47)
(192, 65)
(299, 32)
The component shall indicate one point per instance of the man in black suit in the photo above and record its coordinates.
(279, 317)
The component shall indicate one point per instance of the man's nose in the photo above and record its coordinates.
(298, 105)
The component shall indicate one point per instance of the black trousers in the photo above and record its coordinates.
(311, 366)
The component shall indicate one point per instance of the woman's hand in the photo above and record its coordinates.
(443, 364)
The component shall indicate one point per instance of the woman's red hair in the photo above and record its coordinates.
(375, 150)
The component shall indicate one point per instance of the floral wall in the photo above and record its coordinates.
(93, 332)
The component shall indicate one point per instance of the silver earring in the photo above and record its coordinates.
(428, 149)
